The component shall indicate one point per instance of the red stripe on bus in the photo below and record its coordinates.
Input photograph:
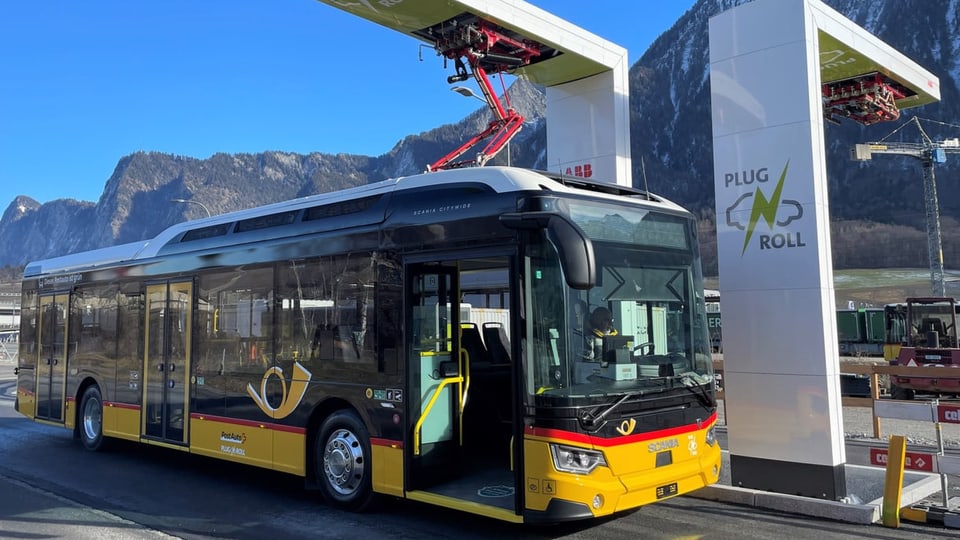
(131, 406)
(386, 442)
(248, 423)
(583, 438)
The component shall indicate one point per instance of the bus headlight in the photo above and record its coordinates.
(576, 460)
(712, 435)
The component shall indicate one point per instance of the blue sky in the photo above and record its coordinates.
(83, 84)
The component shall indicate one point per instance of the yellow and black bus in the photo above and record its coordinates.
(422, 337)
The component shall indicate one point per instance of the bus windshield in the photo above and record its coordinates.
(641, 328)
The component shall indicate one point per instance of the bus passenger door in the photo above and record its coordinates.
(52, 356)
(166, 361)
(436, 383)
(460, 384)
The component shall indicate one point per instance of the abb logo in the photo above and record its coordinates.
(582, 171)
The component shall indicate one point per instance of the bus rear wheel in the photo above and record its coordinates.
(343, 467)
(91, 419)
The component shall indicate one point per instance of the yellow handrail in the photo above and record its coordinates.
(465, 387)
(426, 411)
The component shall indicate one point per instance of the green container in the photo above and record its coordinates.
(875, 325)
(849, 329)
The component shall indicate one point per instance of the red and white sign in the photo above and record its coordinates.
(949, 413)
(915, 461)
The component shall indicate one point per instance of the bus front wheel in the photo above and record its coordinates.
(91, 419)
(343, 467)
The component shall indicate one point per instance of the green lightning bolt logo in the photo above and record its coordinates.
(767, 208)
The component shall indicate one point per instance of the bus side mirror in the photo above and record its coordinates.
(576, 253)
(573, 246)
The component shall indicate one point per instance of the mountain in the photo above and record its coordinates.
(879, 203)
(876, 207)
(136, 201)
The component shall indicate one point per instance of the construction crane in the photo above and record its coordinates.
(929, 152)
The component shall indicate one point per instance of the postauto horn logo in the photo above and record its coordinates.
(776, 211)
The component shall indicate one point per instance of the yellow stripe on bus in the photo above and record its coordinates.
(69, 413)
(27, 402)
(121, 421)
(289, 449)
(387, 469)
(250, 443)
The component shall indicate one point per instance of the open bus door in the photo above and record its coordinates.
(437, 375)
(455, 455)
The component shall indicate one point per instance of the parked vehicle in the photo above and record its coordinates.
(927, 333)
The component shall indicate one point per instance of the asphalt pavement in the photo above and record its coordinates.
(34, 513)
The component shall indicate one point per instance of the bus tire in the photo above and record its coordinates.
(90, 419)
(343, 465)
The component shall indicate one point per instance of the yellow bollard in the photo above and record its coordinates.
(893, 486)
(875, 395)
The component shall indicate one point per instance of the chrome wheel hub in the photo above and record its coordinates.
(343, 462)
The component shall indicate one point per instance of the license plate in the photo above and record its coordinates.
(667, 490)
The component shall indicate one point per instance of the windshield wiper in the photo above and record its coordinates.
(690, 382)
(591, 420)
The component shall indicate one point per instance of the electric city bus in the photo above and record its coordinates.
(422, 337)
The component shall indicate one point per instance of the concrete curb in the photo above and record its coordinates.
(863, 514)
(917, 487)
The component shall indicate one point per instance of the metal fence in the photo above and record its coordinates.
(9, 351)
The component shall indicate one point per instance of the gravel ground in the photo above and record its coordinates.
(858, 424)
